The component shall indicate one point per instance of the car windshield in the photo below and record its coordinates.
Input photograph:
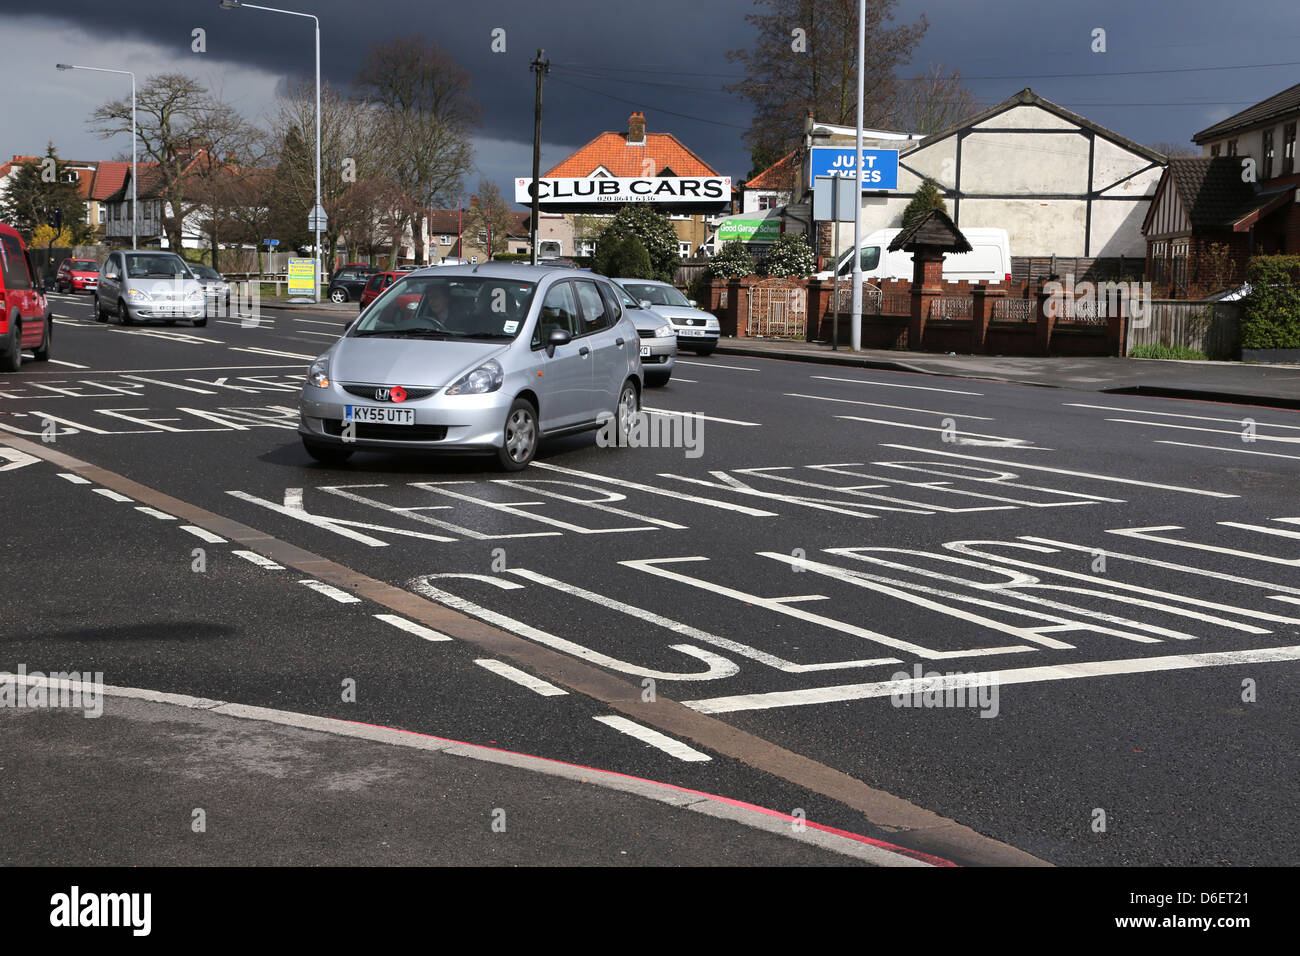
(83, 265)
(205, 272)
(156, 265)
(656, 294)
(454, 307)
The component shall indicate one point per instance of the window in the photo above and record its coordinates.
(559, 311)
(1214, 150)
(444, 240)
(612, 298)
(482, 237)
(1232, 147)
(870, 259)
(1288, 149)
(594, 314)
(13, 265)
(684, 249)
(766, 202)
(586, 247)
(1267, 164)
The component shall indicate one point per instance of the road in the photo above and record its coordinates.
(1108, 587)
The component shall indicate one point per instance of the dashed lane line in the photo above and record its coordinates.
(203, 534)
(262, 562)
(410, 627)
(522, 678)
(653, 738)
(320, 587)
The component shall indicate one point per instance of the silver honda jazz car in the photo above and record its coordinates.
(488, 358)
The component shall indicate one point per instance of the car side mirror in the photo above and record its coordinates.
(645, 303)
(694, 303)
(557, 337)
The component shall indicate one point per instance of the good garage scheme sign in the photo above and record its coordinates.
(682, 190)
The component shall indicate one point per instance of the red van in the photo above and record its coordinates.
(25, 320)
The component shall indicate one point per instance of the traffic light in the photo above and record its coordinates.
(54, 220)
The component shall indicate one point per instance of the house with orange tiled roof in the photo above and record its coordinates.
(772, 187)
(81, 172)
(620, 168)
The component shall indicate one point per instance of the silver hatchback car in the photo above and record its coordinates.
(488, 358)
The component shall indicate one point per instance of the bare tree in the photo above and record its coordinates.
(804, 60)
(1176, 149)
(425, 115)
(488, 213)
(933, 101)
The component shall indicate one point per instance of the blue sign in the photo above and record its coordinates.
(880, 165)
(270, 242)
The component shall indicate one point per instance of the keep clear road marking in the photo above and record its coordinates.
(923, 388)
(733, 368)
(674, 748)
(410, 627)
(320, 587)
(522, 678)
(1066, 471)
(651, 489)
(707, 418)
(1022, 675)
(901, 408)
(158, 381)
(257, 351)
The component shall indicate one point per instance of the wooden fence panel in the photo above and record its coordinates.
(1210, 327)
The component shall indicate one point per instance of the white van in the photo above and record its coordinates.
(989, 259)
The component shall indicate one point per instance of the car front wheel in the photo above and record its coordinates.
(339, 296)
(11, 355)
(519, 442)
(629, 406)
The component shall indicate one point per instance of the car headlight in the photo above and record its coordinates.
(195, 293)
(138, 295)
(486, 378)
(319, 374)
(665, 331)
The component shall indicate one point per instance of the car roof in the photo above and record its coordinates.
(645, 282)
(11, 231)
(506, 270)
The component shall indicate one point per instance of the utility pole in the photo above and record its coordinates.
(541, 66)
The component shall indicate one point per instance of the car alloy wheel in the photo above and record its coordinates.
(628, 406)
(520, 439)
(339, 296)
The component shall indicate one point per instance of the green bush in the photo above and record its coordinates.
(513, 257)
(1270, 317)
(790, 256)
(1165, 352)
(623, 259)
(655, 233)
(927, 197)
(733, 260)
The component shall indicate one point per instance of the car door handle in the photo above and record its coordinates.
(584, 351)
(619, 341)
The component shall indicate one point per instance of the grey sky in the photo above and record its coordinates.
(1000, 46)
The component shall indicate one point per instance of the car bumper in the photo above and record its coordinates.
(697, 338)
(442, 423)
(84, 285)
(663, 353)
(156, 310)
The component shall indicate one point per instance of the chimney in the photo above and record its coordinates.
(636, 129)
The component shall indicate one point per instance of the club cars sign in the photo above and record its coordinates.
(677, 190)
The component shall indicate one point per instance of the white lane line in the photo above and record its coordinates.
(901, 408)
(260, 560)
(707, 418)
(692, 381)
(734, 368)
(410, 627)
(257, 351)
(112, 495)
(1235, 451)
(320, 587)
(155, 513)
(651, 489)
(338, 325)
(158, 381)
(522, 678)
(1197, 428)
(69, 364)
(1204, 418)
(328, 335)
(922, 388)
(1000, 441)
(203, 534)
(674, 748)
(75, 479)
(1066, 471)
(183, 337)
(205, 368)
(1022, 675)
(250, 323)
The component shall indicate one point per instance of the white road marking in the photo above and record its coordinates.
(75, 479)
(901, 408)
(1196, 428)
(338, 325)
(410, 627)
(158, 381)
(922, 388)
(1143, 534)
(734, 368)
(260, 560)
(1000, 441)
(68, 364)
(112, 495)
(17, 459)
(692, 381)
(1023, 675)
(1066, 471)
(674, 748)
(184, 337)
(155, 513)
(707, 418)
(320, 587)
(203, 534)
(1204, 418)
(328, 335)
(522, 678)
(1236, 451)
(257, 351)
(651, 489)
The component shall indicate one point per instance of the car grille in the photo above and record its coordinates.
(369, 430)
(646, 333)
(368, 391)
(679, 320)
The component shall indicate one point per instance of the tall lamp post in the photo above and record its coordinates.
(856, 323)
(318, 212)
(135, 215)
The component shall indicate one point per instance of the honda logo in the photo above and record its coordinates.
(394, 394)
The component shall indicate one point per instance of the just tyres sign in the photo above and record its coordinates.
(880, 166)
(676, 190)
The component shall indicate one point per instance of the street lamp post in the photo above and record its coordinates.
(135, 206)
(856, 318)
(318, 210)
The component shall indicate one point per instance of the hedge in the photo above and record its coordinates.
(1270, 317)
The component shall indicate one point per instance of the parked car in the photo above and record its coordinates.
(492, 359)
(25, 319)
(348, 284)
(146, 284)
(989, 258)
(356, 267)
(697, 330)
(658, 339)
(376, 283)
(77, 275)
(215, 287)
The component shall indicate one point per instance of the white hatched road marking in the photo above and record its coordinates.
(331, 592)
(674, 748)
(410, 627)
(157, 381)
(522, 678)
